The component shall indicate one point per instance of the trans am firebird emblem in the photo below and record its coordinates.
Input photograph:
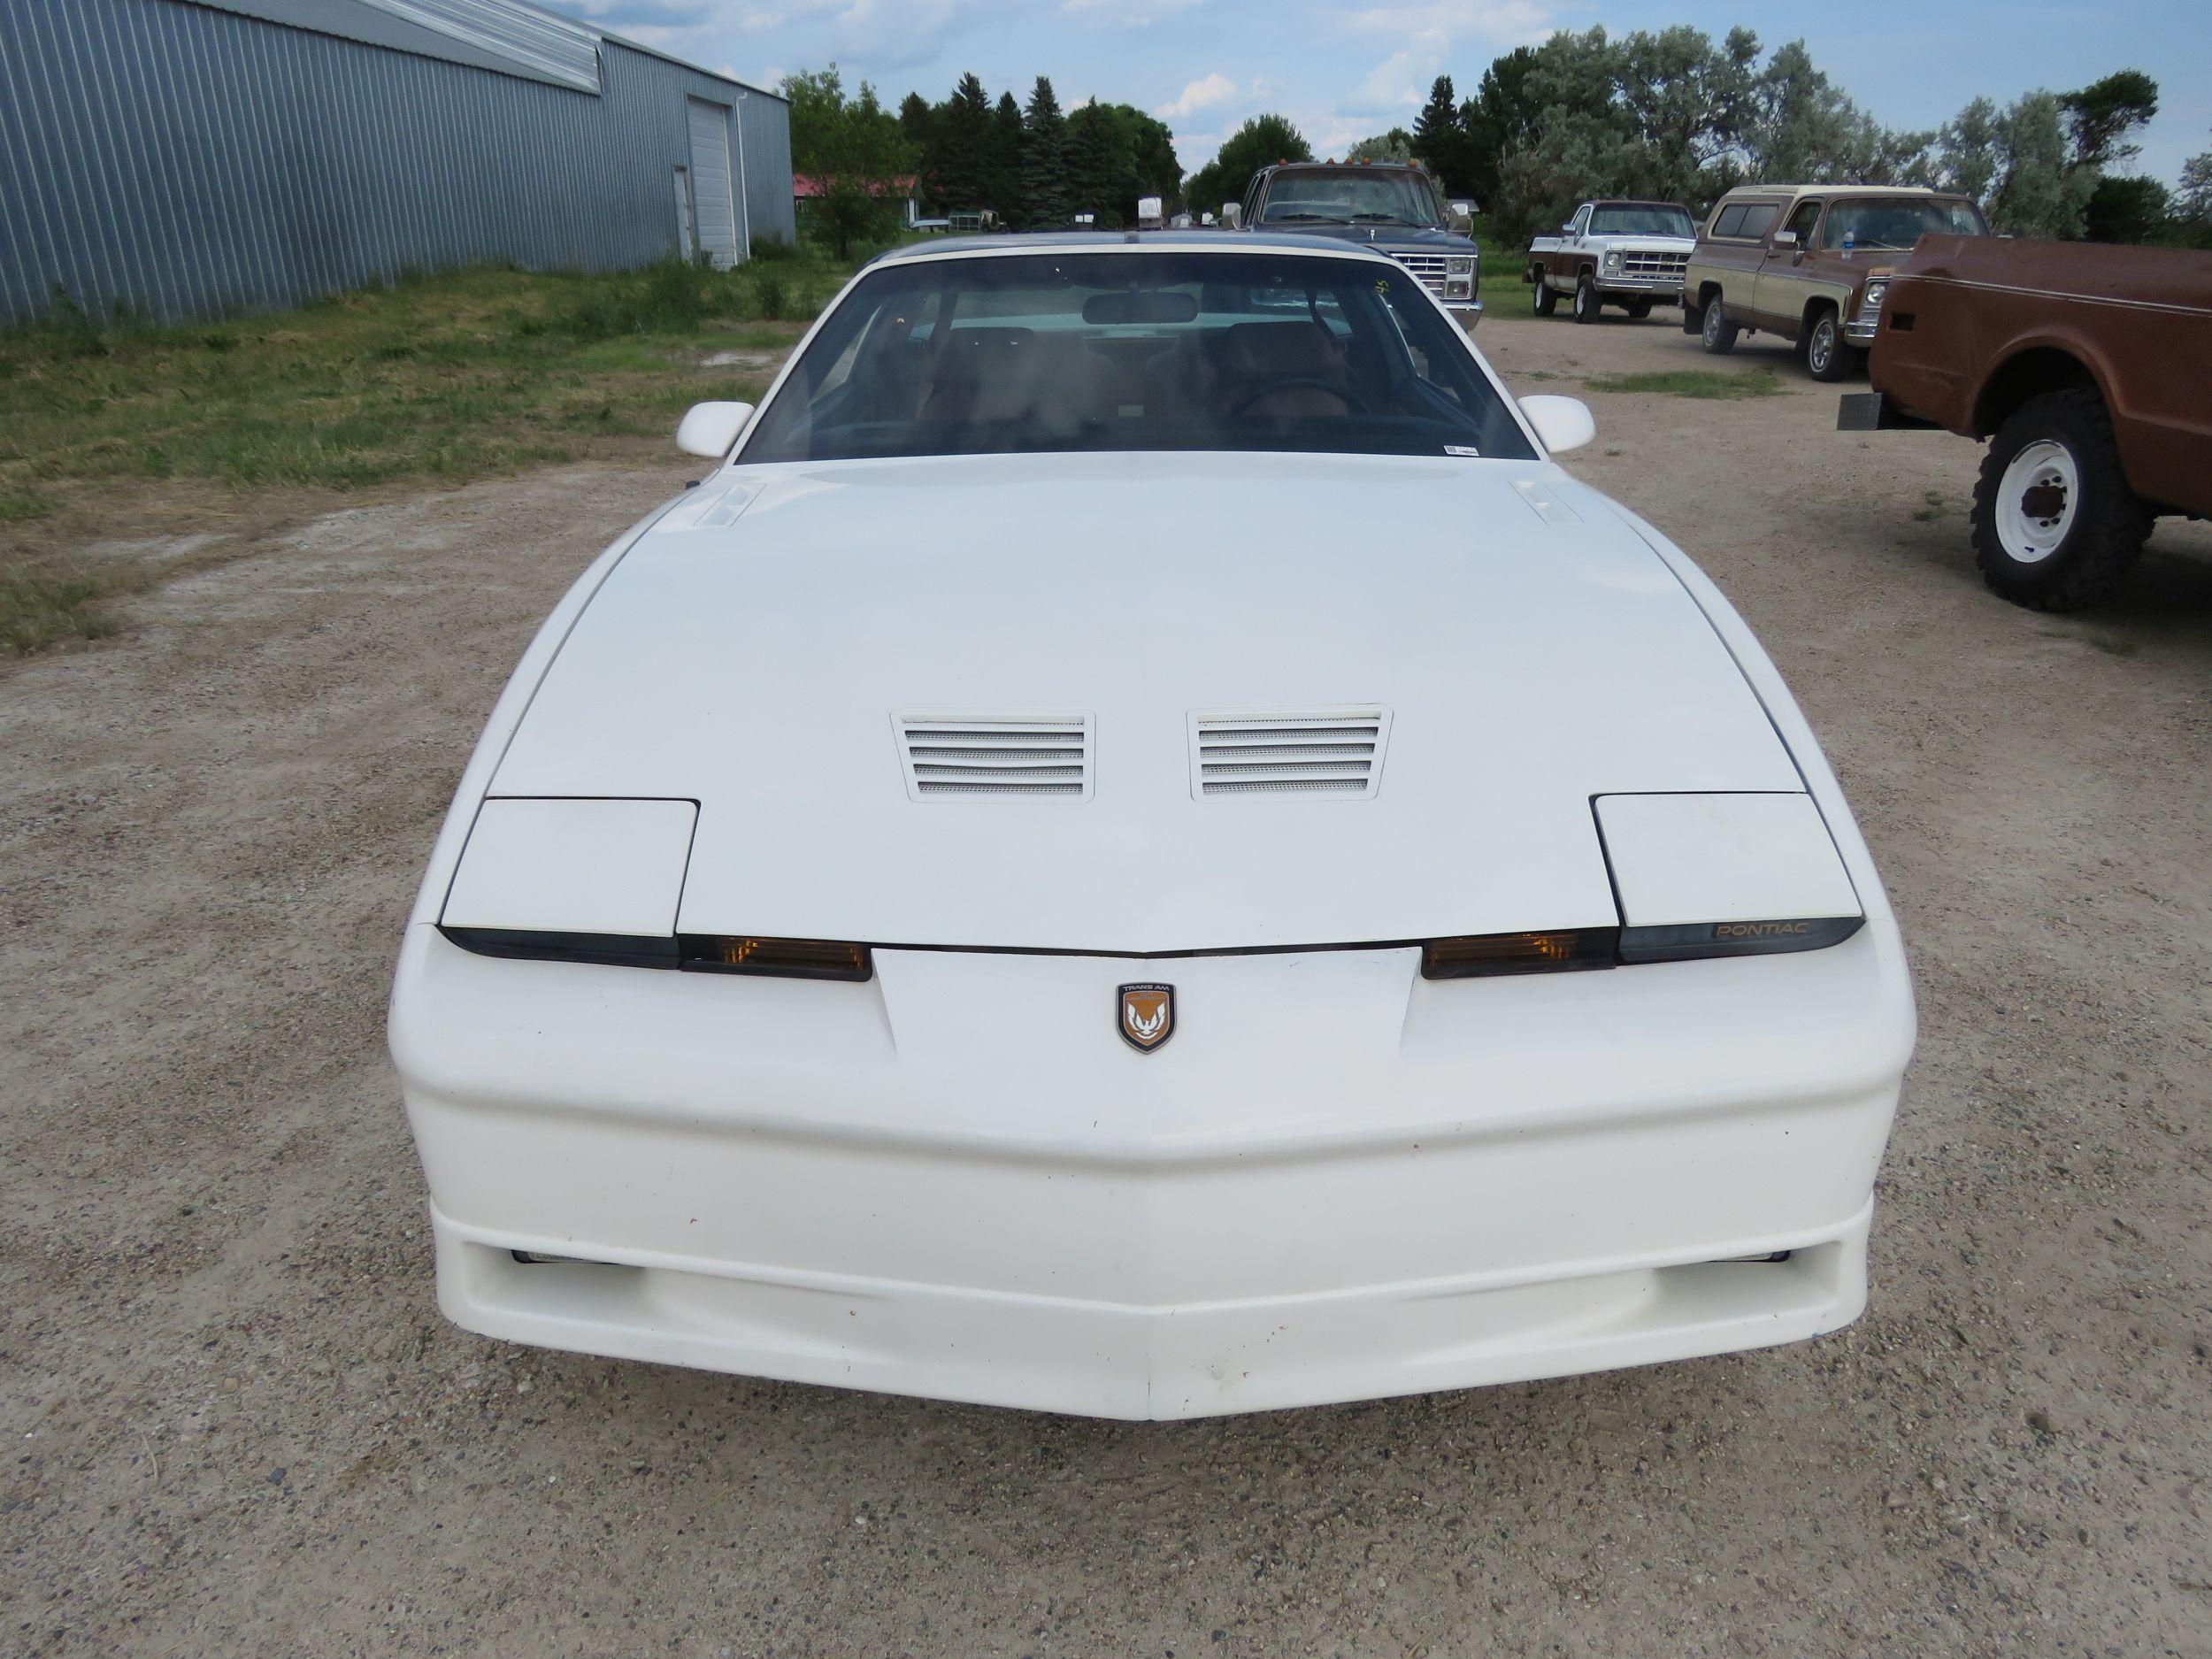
(1148, 1016)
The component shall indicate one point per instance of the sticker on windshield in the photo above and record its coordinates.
(1467, 449)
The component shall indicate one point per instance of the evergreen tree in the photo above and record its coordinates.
(1007, 176)
(1045, 159)
(960, 161)
(916, 122)
(1439, 139)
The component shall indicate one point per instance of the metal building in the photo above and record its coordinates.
(193, 157)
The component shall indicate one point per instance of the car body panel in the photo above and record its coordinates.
(1766, 285)
(1965, 313)
(1251, 593)
(1339, 1179)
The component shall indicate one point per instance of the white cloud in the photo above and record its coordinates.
(1215, 89)
(1129, 13)
(1507, 22)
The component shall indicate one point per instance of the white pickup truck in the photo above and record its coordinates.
(1629, 254)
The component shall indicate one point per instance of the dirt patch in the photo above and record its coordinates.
(240, 1426)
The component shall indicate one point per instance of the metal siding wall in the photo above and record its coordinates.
(765, 125)
(182, 161)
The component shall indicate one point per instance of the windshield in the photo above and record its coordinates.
(1151, 350)
(1640, 219)
(1351, 195)
(1875, 223)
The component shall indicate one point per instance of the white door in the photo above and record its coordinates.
(715, 213)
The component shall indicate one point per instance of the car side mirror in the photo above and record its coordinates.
(1561, 423)
(1567, 229)
(1232, 215)
(1459, 218)
(710, 429)
(1785, 239)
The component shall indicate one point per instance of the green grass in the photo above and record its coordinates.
(435, 380)
(1690, 383)
(43, 608)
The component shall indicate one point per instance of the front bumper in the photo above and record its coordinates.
(1860, 331)
(1666, 289)
(1337, 1180)
(1466, 314)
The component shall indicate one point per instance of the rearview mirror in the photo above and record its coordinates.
(1140, 306)
(1460, 217)
(1232, 215)
(710, 429)
(1561, 423)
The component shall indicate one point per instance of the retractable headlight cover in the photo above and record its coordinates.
(546, 879)
(1722, 875)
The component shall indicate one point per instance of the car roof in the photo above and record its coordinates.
(1750, 191)
(1339, 167)
(1129, 241)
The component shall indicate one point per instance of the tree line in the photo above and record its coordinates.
(1669, 115)
(1032, 164)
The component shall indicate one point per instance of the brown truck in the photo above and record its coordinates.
(2089, 371)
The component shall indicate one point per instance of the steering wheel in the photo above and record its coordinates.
(1295, 382)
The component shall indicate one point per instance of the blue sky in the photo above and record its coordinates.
(1346, 70)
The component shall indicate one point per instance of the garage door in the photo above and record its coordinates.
(716, 216)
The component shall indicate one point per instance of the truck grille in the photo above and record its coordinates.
(1654, 265)
(1427, 266)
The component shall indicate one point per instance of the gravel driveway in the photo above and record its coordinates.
(242, 1427)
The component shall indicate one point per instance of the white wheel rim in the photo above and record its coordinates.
(2037, 500)
(1824, 343)
(1712, 320)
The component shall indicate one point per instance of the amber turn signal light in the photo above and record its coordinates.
(1475, 954)
(784, 958)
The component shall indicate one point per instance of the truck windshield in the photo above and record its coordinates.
(997, 354)
(1877, 223)
(1351, 194)
(1640, 219)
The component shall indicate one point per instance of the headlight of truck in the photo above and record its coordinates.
(1613, 262)
(1459, 264)
(1870, 301)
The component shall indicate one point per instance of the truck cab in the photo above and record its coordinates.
(1393, 207)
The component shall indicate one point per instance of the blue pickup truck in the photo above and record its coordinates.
(1394, 206)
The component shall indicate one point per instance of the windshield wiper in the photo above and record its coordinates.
(1383, 218)
(1324, 218)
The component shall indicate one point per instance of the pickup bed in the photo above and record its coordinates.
(2083, 365)
(1629, 254)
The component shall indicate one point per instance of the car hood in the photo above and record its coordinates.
(755, 649)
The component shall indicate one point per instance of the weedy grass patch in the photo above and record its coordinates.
(438, 381)
(1707, 383)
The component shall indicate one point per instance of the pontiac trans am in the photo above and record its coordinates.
(1136, 846)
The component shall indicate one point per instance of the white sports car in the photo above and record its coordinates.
(1137, 848)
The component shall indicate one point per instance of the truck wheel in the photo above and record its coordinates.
(1719, 335)
(1587, 304)
(1547, 300)
(1639, 309)
(2056, 525)
(1826, 354)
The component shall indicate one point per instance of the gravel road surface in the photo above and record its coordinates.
(240, 1426)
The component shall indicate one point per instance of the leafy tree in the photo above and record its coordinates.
(2038, 192)
(916, 122)
(2193, 200)
(854, 147)
(1008, 189)
(1260, 141)
(1094, 168)
(1501, 120)
(2102, 118)
(2125, 210)
(1394, 145)
(1045, 158)
(1805, 129)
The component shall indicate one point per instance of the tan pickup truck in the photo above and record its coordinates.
(1806, 262)
(2085, 366)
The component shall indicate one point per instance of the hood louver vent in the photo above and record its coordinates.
(993, 754)
(1328, 752)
